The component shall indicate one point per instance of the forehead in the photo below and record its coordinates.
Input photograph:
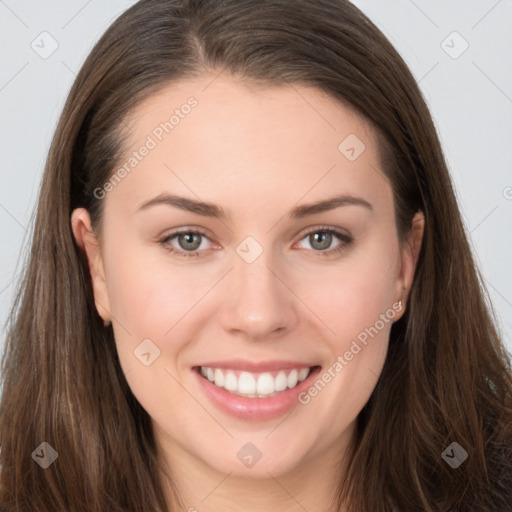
(223, 140)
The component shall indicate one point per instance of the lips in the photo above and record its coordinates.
(251, 390)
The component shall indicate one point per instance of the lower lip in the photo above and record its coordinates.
(257, 409)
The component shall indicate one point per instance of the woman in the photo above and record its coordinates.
(249, 285)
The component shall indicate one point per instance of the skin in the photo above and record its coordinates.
(256, 152)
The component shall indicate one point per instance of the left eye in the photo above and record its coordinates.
(188, 241)
(321, 240)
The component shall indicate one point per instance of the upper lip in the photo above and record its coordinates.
(256, 366)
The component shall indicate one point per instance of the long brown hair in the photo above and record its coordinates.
(447, 375)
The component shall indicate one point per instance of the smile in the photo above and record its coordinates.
(254, 391)
(255, 385)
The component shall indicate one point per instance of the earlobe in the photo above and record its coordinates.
(89, 244)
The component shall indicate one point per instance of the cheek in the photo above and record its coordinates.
(359, 315)
(151, 300)
(355, 301)
(350, 295)
(149, 293)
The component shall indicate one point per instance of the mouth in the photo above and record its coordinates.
(254, 392)
(254, 385)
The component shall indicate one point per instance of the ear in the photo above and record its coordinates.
(409, 258)
(89, 244)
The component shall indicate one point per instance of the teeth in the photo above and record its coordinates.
(253, 385)
(293, 378)
(281, 382)
(231, 382)
(303, 374)
(219, 378)
(266, 384)
(246, 384)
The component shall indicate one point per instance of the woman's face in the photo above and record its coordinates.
(263, 290)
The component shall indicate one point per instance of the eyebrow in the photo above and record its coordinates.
(215, 211)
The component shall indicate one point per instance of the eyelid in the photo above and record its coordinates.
(345, 237)
(165, 241)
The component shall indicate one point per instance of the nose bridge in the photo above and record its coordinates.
(259, 304)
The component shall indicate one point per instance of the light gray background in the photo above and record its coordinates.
(469, 94)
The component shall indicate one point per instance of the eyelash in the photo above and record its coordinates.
(187, 254)
(346, 239)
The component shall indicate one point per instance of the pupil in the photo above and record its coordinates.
(320, 240)
(189, 241)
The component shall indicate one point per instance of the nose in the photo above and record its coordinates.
(261, 304)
